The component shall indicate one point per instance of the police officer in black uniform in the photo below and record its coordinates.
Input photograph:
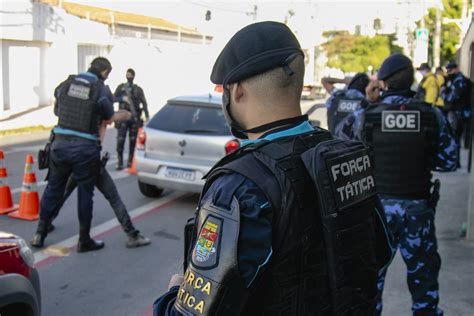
(82, 101)
(258, 246)
(130, 96)
(344, 102)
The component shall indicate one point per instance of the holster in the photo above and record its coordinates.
(43, 154)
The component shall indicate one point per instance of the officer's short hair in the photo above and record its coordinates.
(401, 80)
(278, 81)
(130, 70)
(99, 64)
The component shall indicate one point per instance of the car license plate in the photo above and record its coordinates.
(177, 173)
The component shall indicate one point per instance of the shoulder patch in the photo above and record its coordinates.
(401, 121)
(347, 105)
(206, 250)
(351, 177)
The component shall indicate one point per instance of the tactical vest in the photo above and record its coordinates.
(341, 107)
(133, 94)
(77, 105)
(313, 270)
(403, 140)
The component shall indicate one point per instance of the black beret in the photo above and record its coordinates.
(451, 65)
(424, 66)
(392, 65)
(359, 82)
(255, 49)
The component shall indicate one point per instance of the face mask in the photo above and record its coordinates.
(235, 129)
(130, 80)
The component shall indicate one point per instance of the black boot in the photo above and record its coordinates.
(130, 161)
(41, 233)
(51, 227)
(136, 240)
(119, 165)
(86, 243)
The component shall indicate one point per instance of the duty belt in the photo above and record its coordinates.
(74, 138)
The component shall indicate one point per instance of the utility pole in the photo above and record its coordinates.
(464, 21)
(437, 37)
(464, 9)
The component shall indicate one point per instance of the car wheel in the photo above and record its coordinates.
(149, 190)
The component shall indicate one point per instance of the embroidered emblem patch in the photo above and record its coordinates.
(207, 241)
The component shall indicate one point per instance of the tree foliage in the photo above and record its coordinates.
(450, 32)
(355, 53)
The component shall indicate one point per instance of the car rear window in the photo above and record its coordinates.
(190, 119)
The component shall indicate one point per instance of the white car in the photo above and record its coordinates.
(181, 143)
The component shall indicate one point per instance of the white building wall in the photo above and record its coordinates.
(39, 49)
(42, 45)
(465, 52)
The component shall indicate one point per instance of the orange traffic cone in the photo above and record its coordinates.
(29, 199)
(6, 201)
(133, 168)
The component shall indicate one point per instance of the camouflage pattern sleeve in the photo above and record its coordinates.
(447, 153)
(454, 93)
(351, 127)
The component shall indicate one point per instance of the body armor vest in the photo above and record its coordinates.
(341, 107)
(323, 261)
(403, 140)
(77, 105)
(133, 94)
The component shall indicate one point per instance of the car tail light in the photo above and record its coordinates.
(16, 257)
(231, 146)
(26, 253)
(218, 88)
(141, 139)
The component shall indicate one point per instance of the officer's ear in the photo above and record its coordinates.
(237, 92)
(105, 73)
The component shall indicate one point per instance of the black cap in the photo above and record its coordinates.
(451, 65)
(255, 49)
(359, 82)
(392, 65)
(130, 70)
(424, 66)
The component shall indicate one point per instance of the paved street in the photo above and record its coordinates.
(121, 281)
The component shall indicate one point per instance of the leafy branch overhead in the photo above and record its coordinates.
(450, 32)
(355, 53)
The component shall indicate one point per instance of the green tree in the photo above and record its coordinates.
(450, 32)
(354, 53)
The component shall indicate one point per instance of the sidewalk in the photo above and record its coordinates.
(43, 116)
(457, 255)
